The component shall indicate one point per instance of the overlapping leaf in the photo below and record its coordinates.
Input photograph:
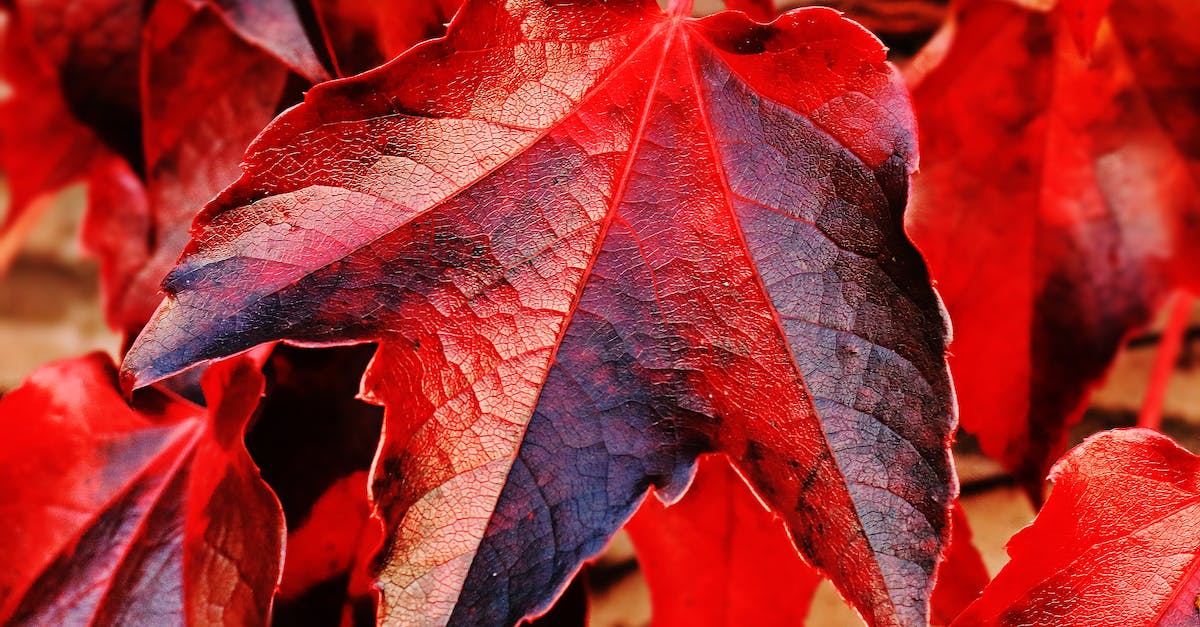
(1057, 205)
(35, 120)
(595, 241)
(146, 515)
(1116, 543)
(364, 33)
(273, 26)
(962, 574)
(207, 94)
(91, 49)
(177, 93)
(719, 558)
(314, 443)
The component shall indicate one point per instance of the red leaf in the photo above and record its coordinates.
(323, 549)
(595, 241)
(91, 50)
(1115, 544)
(42, 148)
(962, 574)
(118, 231)
(314, 443)
(759, 10)
(366, 33)
(1083, 19)
(719, 557)
(207, 94)
(272, 25)
(1056, 205)
(148, 515)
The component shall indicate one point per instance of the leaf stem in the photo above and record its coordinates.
(1165, 358)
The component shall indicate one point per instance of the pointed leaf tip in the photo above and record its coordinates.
(579, 283)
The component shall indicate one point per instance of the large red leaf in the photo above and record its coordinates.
(1057, 205)
(595, 241)
(145, 515)
(1117, 543)
(719, 557)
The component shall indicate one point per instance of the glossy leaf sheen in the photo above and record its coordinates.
(594, 241)
(1115, 544)
(1074, 181)
(116, 515)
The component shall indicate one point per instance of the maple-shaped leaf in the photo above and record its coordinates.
(719, 557)
(1117, 542)
(719, 533)
(595, 240)
(1057, 205)
(151, 514)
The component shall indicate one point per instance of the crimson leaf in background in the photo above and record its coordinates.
(207, 94)
(719, 533)
(758, 10)
(177, 89)
(34, 120)
(363, 34)
(1074, 181)
(962, 574)
(91, 48)
(595, 241)
(272, 25)
(146, 515)
(1117, 543)
(314, 442)
(72, 72)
